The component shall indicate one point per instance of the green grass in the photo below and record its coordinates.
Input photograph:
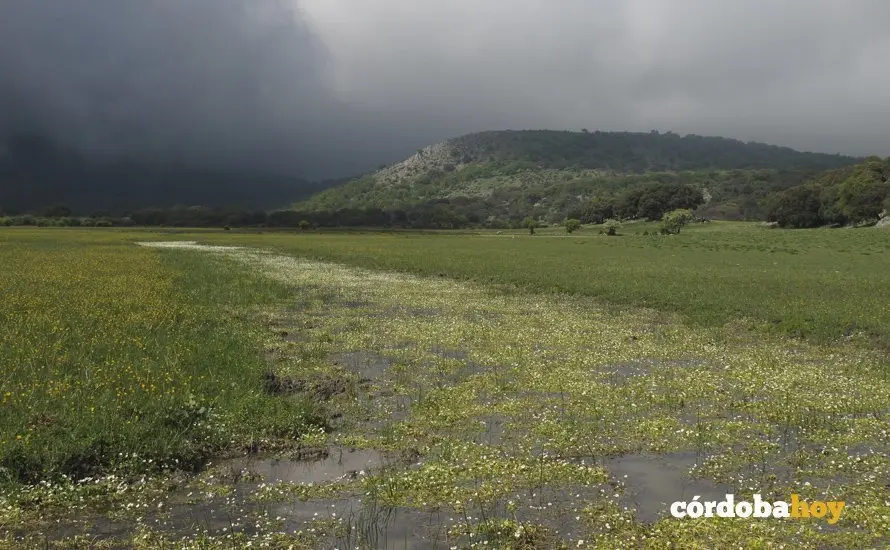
(818, 284)
(500, 394)
(507, 404)
(118, 357)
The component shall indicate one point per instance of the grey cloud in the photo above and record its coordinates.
(806, 73)
(333, 87)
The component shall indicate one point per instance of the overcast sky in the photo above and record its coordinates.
(333, 87)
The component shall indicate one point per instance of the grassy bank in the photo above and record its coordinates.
(118, 357)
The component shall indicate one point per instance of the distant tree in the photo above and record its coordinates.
(653, 200)
(861, 196)
(572, 225)
(830, 211)
(651, 207)
(627, 205)
(674, 220)
(531, 224)
(796, 207)
(596, 210)
(304, 225)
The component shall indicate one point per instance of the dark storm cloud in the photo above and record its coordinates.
(220, 81)
(347, 84)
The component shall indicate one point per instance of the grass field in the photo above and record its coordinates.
(820, 284)
(502, 390)
(115, 356)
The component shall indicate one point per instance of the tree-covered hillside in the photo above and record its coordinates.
(850, 195)
(500, 178)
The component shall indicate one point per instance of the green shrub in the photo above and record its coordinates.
(572, 225)
(674, 220)
(611, 227)
(531, 224)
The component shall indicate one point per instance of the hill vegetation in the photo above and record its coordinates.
(497, 179)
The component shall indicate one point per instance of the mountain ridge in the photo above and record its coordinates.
(549, 174)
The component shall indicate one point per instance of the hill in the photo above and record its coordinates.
(499, 178)
(36, 174)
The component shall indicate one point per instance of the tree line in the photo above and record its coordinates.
(648, 202)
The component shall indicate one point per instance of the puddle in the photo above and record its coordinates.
(655, 481)
(235, 511)
(293, 336)
(365, 364)
(620, 372)
(339, 463)
(493, 429)
(558, 509)
(365, 525)
(359, 524)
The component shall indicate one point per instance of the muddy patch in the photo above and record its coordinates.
(355, 304)
(321, 389)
